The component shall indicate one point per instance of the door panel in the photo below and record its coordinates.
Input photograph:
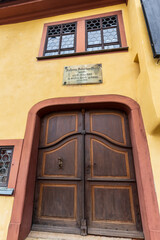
(112, 205)
(111, 125)
(57, 126)
(85, 175)
(114, 192)
(107, 161)
(57, 201)
(61, 199)
(57, 206)
(61, 161)
(112, 210)
(114, 202)
(111, 194)
(59, 182)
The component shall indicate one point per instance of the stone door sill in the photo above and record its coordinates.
(36, 235)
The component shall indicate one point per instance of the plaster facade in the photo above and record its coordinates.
(25, 81)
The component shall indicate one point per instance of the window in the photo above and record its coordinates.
(5, 162)
(99, 33)
(102, 33)
(60, 39)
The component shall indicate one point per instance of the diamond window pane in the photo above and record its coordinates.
(51, 54)
(94, 37)
(5, 161)
(67, 41)
(53, 43)
(112, 46)
(110, 35)
(54, 30)
(109, 21)
(94, 48)
(69, 28)
(93, 24)
(67, 52)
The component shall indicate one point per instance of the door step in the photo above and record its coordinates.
(35, 235)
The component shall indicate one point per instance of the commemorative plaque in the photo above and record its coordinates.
(82, 74)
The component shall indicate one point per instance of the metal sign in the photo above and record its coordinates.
(82, 74)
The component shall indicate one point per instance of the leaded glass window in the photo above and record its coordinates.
(102, 33)
(61, 39)
(5, 162)
(91, 34)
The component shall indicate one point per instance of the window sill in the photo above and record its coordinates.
(4, 191)
(122, 49)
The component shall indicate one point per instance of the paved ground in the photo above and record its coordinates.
(58, 236)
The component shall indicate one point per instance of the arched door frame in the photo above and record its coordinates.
(21, 218)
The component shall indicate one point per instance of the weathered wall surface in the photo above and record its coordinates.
(147, 85)
(6, 204)
(25, 81)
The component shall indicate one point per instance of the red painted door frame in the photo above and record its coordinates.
(21, 218)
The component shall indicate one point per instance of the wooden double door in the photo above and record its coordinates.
(85, 180)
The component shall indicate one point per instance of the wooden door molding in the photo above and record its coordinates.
(21, 218)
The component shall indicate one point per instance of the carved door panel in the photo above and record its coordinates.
(58, 198)
(85, 177)
(111, 195)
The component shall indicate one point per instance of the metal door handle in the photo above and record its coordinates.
(60, 163)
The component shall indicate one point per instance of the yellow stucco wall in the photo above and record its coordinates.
(6, 204)
(25, 81)
(147, 85)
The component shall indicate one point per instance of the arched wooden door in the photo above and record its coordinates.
(85, 176)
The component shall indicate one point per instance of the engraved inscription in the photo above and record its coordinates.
(82, 74)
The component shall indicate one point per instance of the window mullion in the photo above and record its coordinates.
(118, 32)
(60, 40)
(75, 38)
(102, 38)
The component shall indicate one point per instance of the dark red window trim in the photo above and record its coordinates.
(80, 43)
(7, 165)
(17, 148)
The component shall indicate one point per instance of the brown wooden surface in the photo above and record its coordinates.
(112, 201)
(108, 161)
(109, 200)
(51, 158)
(23, 10)
(58, 198)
